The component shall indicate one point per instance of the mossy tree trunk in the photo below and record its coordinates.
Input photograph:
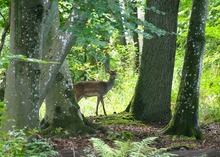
(185, 118)
(151, 101)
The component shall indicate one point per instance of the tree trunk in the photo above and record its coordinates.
(2, 87)
(28, 83)
(185, 118)
(62, 111)
(136, 43)
(152, 98)
(22, 77)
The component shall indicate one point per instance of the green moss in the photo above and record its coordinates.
(116, 119)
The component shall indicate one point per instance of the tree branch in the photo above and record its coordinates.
(60, 47)
(5, 30)
(2, 16)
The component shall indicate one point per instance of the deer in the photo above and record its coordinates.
(95, 88)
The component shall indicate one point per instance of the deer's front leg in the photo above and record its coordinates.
(97, 106)
(103, 105)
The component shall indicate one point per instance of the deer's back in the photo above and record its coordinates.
(91, 88)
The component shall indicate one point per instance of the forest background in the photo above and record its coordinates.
(89, 56)
(86, 61)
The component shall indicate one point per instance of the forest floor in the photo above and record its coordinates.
(124, 127)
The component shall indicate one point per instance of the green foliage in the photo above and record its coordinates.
(17, 143)
(64, 9)
(2, 107)
(58, 130)
(87, 61)
(39, 148)
(4, 12)
(2, 110)
(107, 22)
(125, 135)
(4, 8)
(4, 61)
(22, 143)
(132, 149)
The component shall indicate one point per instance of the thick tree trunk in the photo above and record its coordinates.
(185, 118)
(22, 77)
(151, 101)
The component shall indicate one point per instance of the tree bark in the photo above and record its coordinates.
(136, 43)
(185, 118)
(22, 77)
(62, 111)
(2, 87)
(35, 34)
(152, 98)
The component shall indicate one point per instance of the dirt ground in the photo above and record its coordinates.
(185, 147)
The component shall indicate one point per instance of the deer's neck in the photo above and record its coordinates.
(110, 83)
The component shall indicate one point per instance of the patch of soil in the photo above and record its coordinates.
(185, 147)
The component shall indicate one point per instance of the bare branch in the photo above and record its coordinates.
(2, 16)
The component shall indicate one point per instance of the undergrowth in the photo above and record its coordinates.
(128, 148)
(20, 143)
(16, 143)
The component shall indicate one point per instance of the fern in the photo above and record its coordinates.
(122, 148)
(142, 148)
(131, 149)
(101, 148)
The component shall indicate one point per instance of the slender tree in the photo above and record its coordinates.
(152, 97)
(185, 118)
(134, 4)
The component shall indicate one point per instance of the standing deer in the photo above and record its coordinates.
(95, 88)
